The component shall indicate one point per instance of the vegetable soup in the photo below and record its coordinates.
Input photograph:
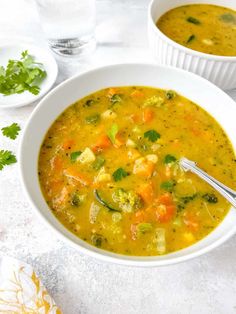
(203, 27)
(108, 169)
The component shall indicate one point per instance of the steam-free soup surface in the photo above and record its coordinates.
(108, 169)
(207, 28)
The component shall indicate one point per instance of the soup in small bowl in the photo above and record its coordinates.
(102, 168)
(198, 36)
(202, 27)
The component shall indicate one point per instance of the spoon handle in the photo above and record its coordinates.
(225, 191)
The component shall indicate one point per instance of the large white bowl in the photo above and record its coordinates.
(208, 96)
(219, 70)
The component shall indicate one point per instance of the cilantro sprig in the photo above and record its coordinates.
(152, 135)
(11, 131)
(6, 158)
(119, 174)
(169, 159)
(21, 75)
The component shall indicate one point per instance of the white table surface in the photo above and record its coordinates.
(78, 283)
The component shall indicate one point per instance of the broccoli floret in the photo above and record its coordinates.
(128, 201)
(154, 101)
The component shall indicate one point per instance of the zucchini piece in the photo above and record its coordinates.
(104, 203)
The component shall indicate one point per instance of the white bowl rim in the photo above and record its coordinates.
(116, 258)
(183, 48)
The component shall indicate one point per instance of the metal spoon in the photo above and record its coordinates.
(229, 194)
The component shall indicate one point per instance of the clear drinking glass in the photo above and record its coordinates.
(69, 25)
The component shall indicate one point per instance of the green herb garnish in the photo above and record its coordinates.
(169, 159)
(112, 132)
(210, 198)
(168, 185)
(187, 199)
(6, 158)
(193, 20)
(191, 38)
(89, 102)
(152, 135)
(75, 200)
(75, 155)
(97, 239)
(11, 131)
(119, 174)
(170, 94)
(21, 75)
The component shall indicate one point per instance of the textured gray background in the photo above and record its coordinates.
(80, 284)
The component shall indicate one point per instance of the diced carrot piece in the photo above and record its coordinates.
(165, 213)
(191, 222)
(176, 142)
(165, 199)
(119, 141)
(195, 131)
(146, 192)
(73, 173)
(140, 216)
(56, 163)
(144, 169)
(68, 144)
(112, 91)
(164, 208)
(135, 117)
(189, 117)
(102, 143)
(148, 115)
(137, 94)
(55, 186)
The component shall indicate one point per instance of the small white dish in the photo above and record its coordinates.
(220, 70)
(205, 94)
(13, 50)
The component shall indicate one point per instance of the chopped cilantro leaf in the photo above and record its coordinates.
(169, 159)
(152, 135)
(6, 158)
(11, 131)
(168, 185)
(210, 198)
(119, 174)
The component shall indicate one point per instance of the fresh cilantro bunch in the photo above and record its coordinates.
(21, 75)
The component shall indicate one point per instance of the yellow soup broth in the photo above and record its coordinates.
(203, 27)
(108, 169)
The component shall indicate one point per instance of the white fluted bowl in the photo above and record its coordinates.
(220, 70)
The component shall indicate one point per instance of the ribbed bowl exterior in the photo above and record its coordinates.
(220, 72)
